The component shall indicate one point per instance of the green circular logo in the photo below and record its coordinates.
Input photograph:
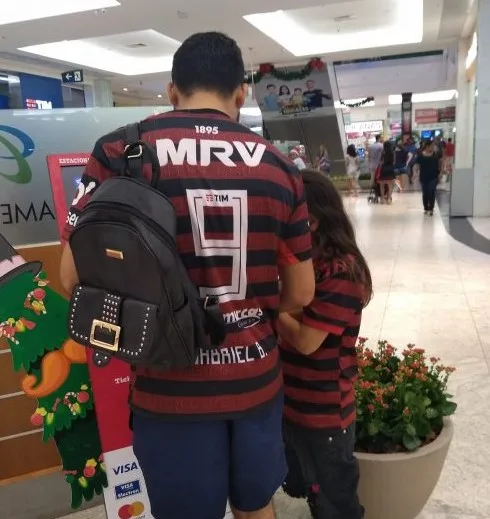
(24, 172)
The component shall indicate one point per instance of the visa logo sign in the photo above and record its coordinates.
(124, 469)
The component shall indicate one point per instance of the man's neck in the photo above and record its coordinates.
(206, 101)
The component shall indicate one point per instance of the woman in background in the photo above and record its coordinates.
(318, 351)
(353, 170)
(387, 173)
(322, 160)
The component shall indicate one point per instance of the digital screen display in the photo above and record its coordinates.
(71, 178)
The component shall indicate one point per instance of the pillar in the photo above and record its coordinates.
(481, 188)
(99, 94)
(463, 178)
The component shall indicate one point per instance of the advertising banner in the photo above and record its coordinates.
(307, 97)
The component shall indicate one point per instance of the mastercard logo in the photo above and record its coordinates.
(129, 511)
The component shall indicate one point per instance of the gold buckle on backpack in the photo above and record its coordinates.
(113, 328)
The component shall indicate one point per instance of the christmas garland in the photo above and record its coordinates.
(282, 74)
(362, 102)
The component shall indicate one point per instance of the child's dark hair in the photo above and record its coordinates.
(335, 238)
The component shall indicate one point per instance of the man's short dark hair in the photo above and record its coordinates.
(209, 61)
(450, 139)
(270, 85)
(378, 137)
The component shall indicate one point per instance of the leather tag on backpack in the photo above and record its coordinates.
(114, 254)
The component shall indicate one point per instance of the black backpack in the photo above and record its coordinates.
(135, 300)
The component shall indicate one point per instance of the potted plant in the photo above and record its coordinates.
(403, 431)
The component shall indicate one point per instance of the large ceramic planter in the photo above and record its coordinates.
(398, 486)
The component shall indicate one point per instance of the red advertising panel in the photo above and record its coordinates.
(126, 491)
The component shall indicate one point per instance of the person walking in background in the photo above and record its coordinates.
(320, 414)
(387, 173)
(402, 160)
(412, 150)
(429, 165)
(323, 160)
(374, 156)
(353, 170)
(449, 153)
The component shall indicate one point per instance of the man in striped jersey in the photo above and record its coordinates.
(214, 432)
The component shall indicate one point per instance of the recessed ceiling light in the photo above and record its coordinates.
(109, 58)
(24, 10)
(407, 26)
(125, 89)
(159, 95)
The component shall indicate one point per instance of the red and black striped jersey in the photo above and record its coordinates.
(319, 388)
(241, 213)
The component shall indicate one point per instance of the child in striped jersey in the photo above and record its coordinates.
(320, 365)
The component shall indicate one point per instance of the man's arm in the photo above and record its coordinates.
(96, 171)
(294, 255)
(68, 271)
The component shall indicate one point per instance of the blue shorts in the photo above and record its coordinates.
(191, 469)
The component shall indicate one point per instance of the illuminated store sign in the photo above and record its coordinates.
(36, 104)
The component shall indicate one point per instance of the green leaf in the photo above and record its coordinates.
(427, 401)
(423, 427)
(411, 430)
(410, 442)
(410, 398)
(431, 413)
(373, 428)
(449, 408)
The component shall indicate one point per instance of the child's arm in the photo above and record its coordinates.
(336, 300)
(305, 339)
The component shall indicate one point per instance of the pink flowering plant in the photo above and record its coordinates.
(401, 399)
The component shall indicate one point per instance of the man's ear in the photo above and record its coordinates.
(241, 95)
(172, 94)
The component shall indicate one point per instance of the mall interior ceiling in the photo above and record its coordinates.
(131, 42)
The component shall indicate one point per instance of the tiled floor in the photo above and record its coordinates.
(434, 291)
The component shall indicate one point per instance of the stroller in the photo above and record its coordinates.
(375, 193)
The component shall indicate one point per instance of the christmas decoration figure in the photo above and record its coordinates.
(33, 322)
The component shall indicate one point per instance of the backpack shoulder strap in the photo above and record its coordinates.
(134, 158)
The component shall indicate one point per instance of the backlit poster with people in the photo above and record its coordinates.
(307, 97)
